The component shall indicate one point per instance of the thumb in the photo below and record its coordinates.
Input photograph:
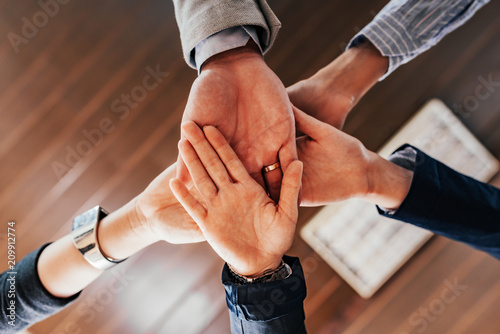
(287, 154)
(290, 188)
(309, 125)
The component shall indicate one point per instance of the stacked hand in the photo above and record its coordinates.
(248, 123)
(338, 167)
(244, 226)
(239, 99)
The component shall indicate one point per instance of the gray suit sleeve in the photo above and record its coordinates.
(198, 19)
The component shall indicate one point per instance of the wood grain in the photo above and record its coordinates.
(63, 82)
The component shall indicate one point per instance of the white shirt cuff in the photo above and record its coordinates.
(224, 40)
(405, 158)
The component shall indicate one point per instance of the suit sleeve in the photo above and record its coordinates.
(273, 307)
(199, 19)
(452, 205)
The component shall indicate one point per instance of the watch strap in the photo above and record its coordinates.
(84, 233)
(282, 272)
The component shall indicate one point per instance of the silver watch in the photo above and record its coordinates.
(84, 233)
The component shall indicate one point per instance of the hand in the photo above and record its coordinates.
(331, 93)
(159, 215)
(335, 164)
(239, 95)
(338, 167)
(152, 216)
(242, 224)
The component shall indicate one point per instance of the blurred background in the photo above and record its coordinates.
(63, 82)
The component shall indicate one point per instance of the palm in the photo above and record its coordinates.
(249, 105)
(246, 241)
(243, 225)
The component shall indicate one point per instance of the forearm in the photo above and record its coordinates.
(64, 271)
(331, 93)
(353, 73)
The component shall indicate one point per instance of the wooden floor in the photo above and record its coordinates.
(62, 83)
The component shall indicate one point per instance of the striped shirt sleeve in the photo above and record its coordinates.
(403, 29)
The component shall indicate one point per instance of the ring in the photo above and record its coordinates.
(272, 167)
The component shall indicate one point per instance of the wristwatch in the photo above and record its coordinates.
(84, 233)
(282, 272)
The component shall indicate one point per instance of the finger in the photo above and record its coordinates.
(206, 154)
(183, 172)
(309, 125)
(287, 154)
(187, 200)
(233, 164)
(259, 178)
(290, 188)
(294, 94)
(273, 182)
(201, 179)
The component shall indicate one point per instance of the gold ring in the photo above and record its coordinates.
(272, 167)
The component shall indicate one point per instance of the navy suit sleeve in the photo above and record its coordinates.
(452, 205)
(273, 307)
(23, 298)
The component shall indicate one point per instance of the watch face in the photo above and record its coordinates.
(85, 218)
(91, 216)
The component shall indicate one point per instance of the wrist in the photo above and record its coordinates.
(139, 222)
(338, 87)
(123, 233)
(252, 272)
(355, 71)
(283, 271)
(371, 65)
(388, 183)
